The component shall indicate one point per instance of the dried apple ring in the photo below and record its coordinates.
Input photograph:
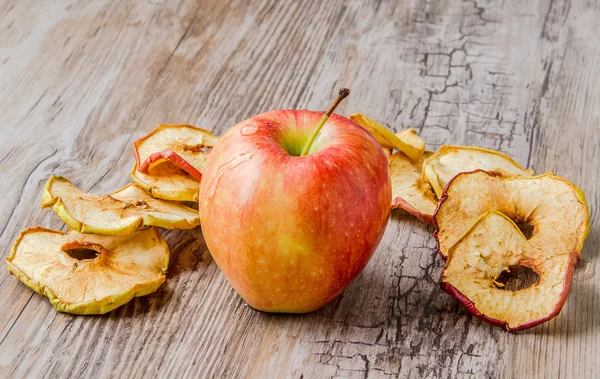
(167, 182)
(555, 208)
(119, 213)
(491, 246)
(183, 145)
(87, 273)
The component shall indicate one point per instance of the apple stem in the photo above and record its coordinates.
(344, 92)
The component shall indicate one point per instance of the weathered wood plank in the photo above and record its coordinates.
(80, 82)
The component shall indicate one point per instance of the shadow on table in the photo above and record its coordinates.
(188, 252)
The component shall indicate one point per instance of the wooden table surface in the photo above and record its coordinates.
(80, 82)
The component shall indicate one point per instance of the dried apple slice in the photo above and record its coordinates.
(555, 208)
(408, 191)
(60, 267)
(449, 161)
(491, 246)
(167, 182)
(406, 141)
(412, 144)
(183, 145)
(119, 213)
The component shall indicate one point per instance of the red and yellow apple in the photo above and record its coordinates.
(290, 232)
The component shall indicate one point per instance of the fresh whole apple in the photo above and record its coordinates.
(290, 230)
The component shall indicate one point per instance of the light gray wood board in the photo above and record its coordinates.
(80, 82)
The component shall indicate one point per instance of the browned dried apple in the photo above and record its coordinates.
(185, 146)
(87, 273)
(449, 161)
(408, 191)
(493, 245)
(167, 181)
(555, 208)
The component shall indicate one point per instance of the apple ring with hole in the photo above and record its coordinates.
(120, 213)
(449, 161)
(185, 146)
(87, 273)
(167, 182)
(491, 246)
(554, 206)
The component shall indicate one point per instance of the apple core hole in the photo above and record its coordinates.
(525, 228)
(517, 278)
(81, 253)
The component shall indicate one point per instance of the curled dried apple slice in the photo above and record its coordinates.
(408, 191)
(87, 273)
(406, 141)
(412, 144)
(183, 145)
(491, 246)
(449, 161)
(119, 213)
(555, 208)
(167, 182)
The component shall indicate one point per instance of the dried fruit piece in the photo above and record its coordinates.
(183, 145)
(120, 268)
(449, 161)
(119, 213)
(555, 208)
(491, 246)
(406, 141)
(168, 182)
(412, 144)
(408, 191)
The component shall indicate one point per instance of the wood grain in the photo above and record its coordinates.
(79, 82)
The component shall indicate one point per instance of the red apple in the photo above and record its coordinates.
(290, 232)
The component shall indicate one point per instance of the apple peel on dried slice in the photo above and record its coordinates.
(183, 145)
(553, 206)
(120, 213)
(449, 161)
(60, 267)
(167, 182)
(405, 141)
(408, 191)
(492, 245)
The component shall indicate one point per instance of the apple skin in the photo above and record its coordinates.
(169, 156)
(290, 232)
